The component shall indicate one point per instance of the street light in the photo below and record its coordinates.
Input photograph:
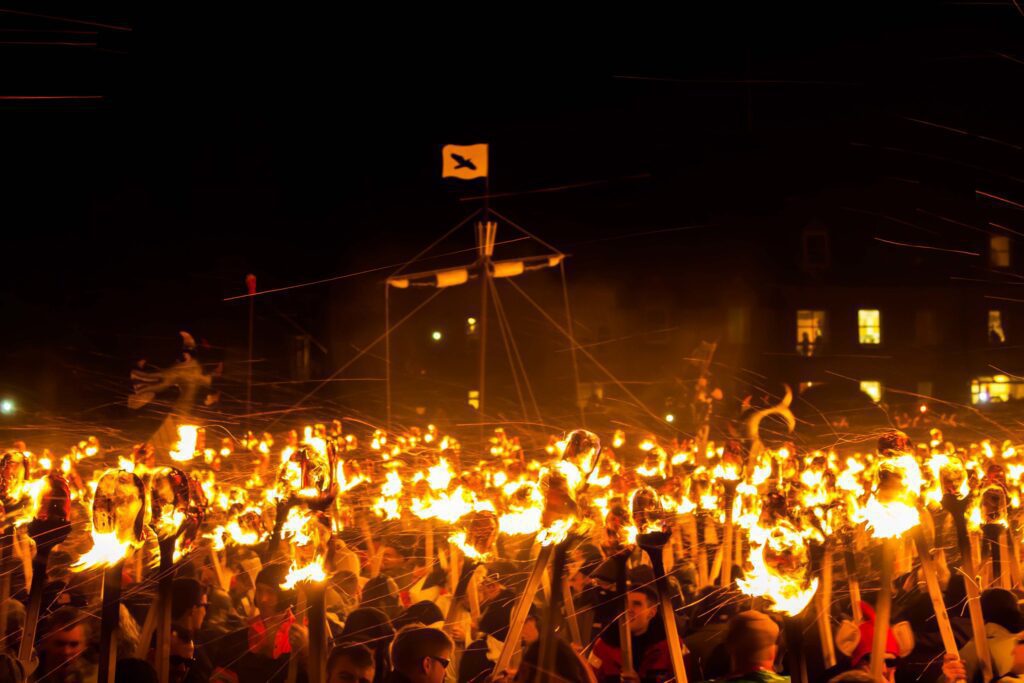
(670, 418)
(7, 406)
(436, 335)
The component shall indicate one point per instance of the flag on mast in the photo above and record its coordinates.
(464, 161)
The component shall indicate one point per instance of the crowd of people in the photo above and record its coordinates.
(396, 604)
(400, 625)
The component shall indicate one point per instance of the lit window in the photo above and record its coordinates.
(995, 328)
(995, 389)
(810, 331)
(474, 399)
(873, 389)
(999, 251)
(869, 326)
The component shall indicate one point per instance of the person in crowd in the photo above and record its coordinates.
(1003, 626)
(264, 648)
(189, 603)
(343, 593)
(183, 663)
(15, 624)
(647, 633)
(708, 631)
(425, 613)
(381, 593)
(478, 660)
(351, 664)
(11, 669)
(370, 627)
(753, 646)
(566, 666)
(65, 636)
(421, 654)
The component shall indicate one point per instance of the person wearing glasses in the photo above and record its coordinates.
(420, 654)
(189, 604)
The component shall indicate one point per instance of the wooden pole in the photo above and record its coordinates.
(165, 587)
(453, 566)
(883, 607)
(428, 542)
(795, 657)
(1014, 556)
(622, 585)
(110, 621)
(570, 614)
(727, 534)
(653, 544)
(5, 576)
(35, 603)
(931, 580)
(521, 611)
(218, 569)
(546, 658)
(317, 661)
(702, 551)
(473, 595)
(956, 508)
(824, 597)
(853, 582)
(293, 660)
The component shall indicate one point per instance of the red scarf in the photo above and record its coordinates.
(258, 630)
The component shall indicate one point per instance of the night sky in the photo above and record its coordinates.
(301, 146)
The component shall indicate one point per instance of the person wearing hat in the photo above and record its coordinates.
(651, 661)
(752, 641)
(262, 649)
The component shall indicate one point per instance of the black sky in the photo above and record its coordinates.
(300, 145)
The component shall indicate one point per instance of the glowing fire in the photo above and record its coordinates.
(892, 511)
(312, 572)
(779, 570)
(106, 550)
(185, 449)
(557, 532)
(440, 476)
(459, 540)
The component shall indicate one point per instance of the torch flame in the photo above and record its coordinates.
(106, 551)
(185, 449)
(789, 592)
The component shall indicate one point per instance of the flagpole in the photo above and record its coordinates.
(387, 352)
(485, 245)
(250, 283)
